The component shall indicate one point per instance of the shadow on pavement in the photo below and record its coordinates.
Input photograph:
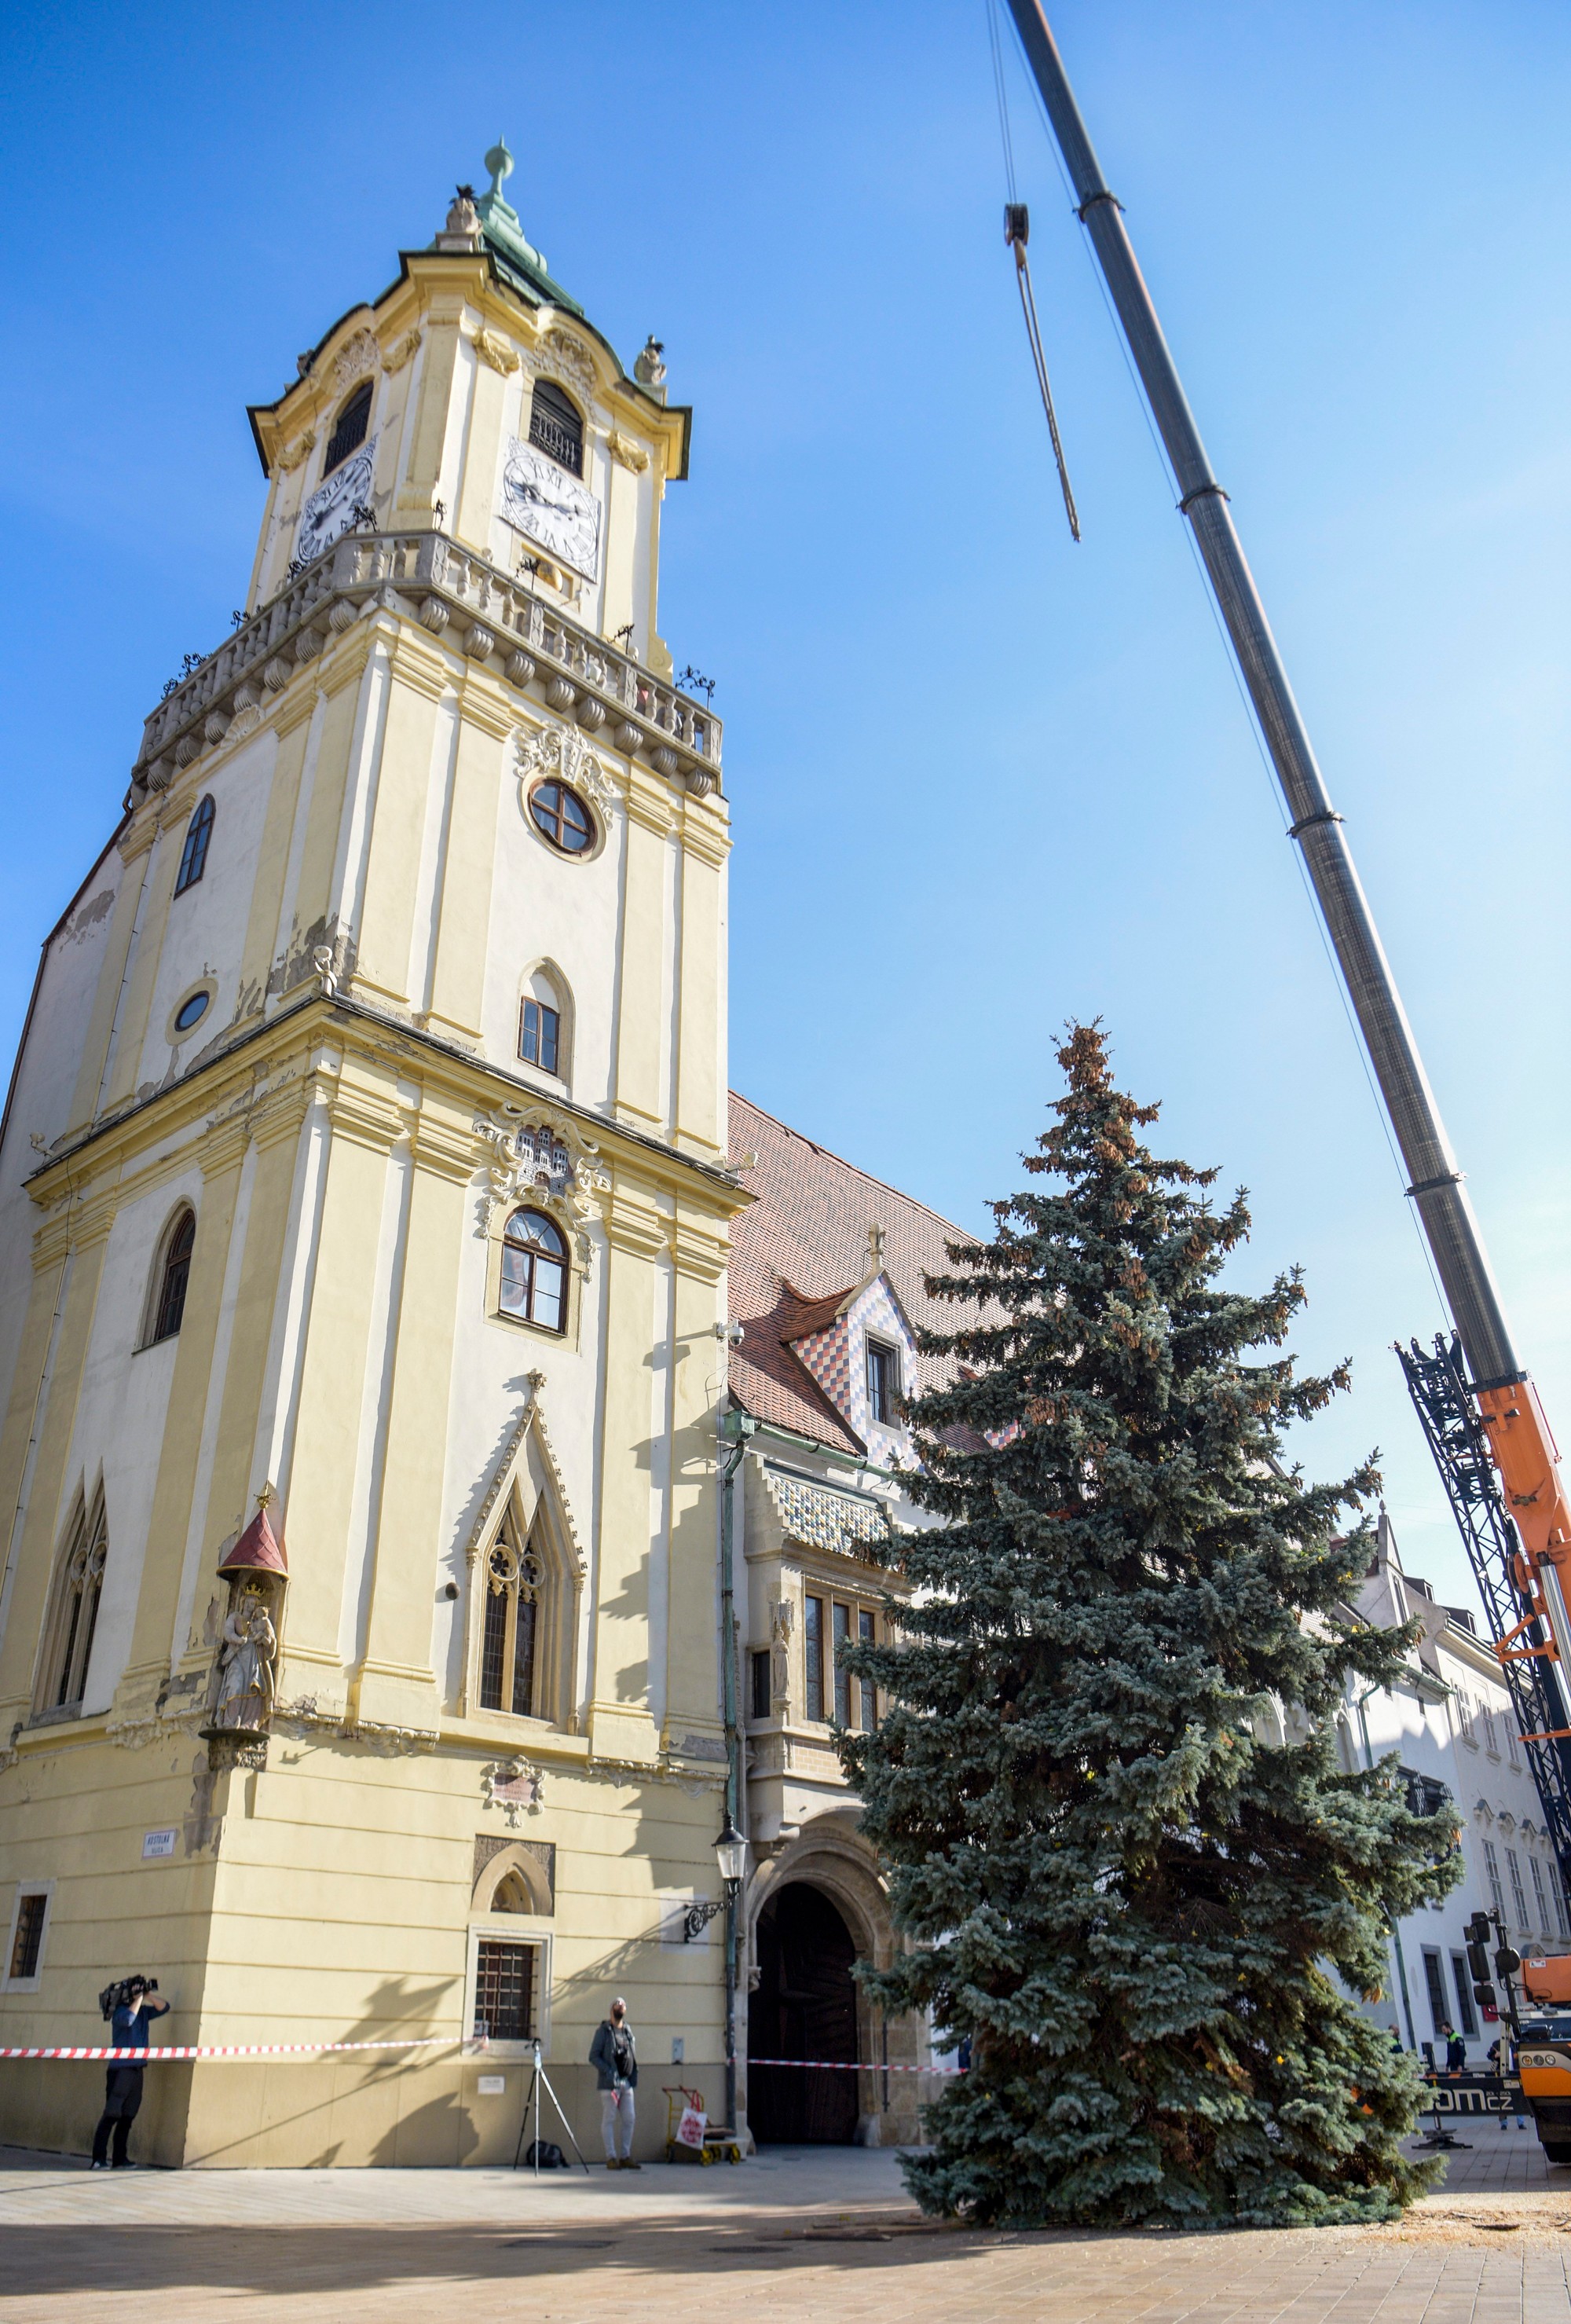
(294, 2260)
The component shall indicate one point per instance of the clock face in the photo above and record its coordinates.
(542, 499)
(330, 511)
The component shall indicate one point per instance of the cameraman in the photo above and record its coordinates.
(128, 2006)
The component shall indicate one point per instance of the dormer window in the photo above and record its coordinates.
(349, 434)
(883, 1383)
(556, 427)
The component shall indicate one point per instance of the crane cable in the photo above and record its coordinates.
(1016, 233)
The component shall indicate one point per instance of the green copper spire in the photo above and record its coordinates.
(499, 228)
(499, 218)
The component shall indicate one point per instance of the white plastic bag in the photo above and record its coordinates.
(690, 2129)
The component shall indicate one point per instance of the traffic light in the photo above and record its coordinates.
(1484, 1994)
(1478, 1931)
(1478, 1958)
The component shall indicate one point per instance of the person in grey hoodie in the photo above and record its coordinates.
(615, 2061)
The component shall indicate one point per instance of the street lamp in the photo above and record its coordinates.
(732, 1851)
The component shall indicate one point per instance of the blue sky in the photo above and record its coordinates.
(981, 779)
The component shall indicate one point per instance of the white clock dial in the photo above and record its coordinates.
(543, 501)
(330, 511)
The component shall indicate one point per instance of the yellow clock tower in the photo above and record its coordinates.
(364, 1224)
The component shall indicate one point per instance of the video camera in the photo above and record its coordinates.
(114, 1997)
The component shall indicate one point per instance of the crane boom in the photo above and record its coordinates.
(1535, 1516)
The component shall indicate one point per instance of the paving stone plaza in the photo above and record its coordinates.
(804, 2232)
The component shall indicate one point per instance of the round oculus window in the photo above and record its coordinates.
(560, 816)
(191, 1012)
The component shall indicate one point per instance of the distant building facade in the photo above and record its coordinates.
(1451, 1726)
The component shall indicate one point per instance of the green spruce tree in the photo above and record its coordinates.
(1150, 1916)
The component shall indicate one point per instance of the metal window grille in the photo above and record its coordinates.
(194, 854)
(556, 428)
(812, 1639)
(504, 1991)
(350, 433)
(1518, 1893)
(28, 1941)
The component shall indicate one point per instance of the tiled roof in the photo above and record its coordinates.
(798, 1251)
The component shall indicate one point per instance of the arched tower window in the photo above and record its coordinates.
(534, 1270)
(545, 1023)
(173, 1275)
(194, 854)
(349, 434)
(513, 1577)
(557, 425)
(74, 1613)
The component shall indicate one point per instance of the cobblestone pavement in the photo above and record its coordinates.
(797, 2234)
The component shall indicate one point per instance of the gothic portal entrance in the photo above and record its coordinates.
(805, 2007)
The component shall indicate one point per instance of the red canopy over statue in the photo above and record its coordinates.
(258, 1550)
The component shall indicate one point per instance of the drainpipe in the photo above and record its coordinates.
(1401, 1967)
(735, 1428)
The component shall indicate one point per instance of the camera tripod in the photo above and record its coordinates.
(541, 2080)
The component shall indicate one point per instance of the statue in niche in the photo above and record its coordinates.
(245, 1665)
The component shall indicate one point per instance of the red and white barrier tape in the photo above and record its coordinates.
(128, 2057)
(841, 2066)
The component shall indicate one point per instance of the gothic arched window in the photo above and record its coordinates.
(194, 854)
(534, 1270)
(74, 1615)
(513, 1577)
(557, 425)
(349, 434)
(174, 1274)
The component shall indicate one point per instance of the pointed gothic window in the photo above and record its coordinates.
(513, 1577)
(556, 427)
(534, 1270)
(170, 1310)
(194, 854)
(349, 434)
(74, 1615)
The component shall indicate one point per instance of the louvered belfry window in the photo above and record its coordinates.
(556, 428)
(349, 434)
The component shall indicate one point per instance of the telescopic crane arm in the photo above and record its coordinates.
(1517, 1431)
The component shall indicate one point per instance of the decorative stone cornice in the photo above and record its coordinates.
(425, 575)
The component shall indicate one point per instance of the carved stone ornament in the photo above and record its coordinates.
(561, 751)
(559, 352)
(622, 448)
(546, 1158)
(404, 352)
(494, 350)
(514, 1786)
(357, 355)
(297, 454)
